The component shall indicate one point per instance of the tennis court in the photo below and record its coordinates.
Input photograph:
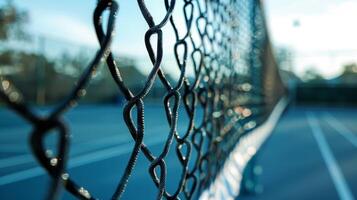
(311, 155)
(296, 165)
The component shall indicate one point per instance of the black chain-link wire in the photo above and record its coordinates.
(225, 42)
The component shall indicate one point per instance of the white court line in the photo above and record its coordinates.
(77, 161)
(341, 129)
(338, 179)
(16, 160)
(82, 148)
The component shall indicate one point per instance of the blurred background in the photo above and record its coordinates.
(315, 41)
(314, 44)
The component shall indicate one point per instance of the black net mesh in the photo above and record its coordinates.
(226, 72)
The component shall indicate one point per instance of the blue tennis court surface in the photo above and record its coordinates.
(312, 154)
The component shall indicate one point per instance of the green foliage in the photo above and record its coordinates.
(313, 76)
(72, 65)
(12, 22)
(350, 69)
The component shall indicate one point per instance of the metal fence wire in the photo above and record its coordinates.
(234, 81)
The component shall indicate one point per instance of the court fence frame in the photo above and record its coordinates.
(235, 81)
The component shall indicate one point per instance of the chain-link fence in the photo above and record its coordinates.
(226, 71)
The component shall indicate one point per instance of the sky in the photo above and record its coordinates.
(325, 38)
